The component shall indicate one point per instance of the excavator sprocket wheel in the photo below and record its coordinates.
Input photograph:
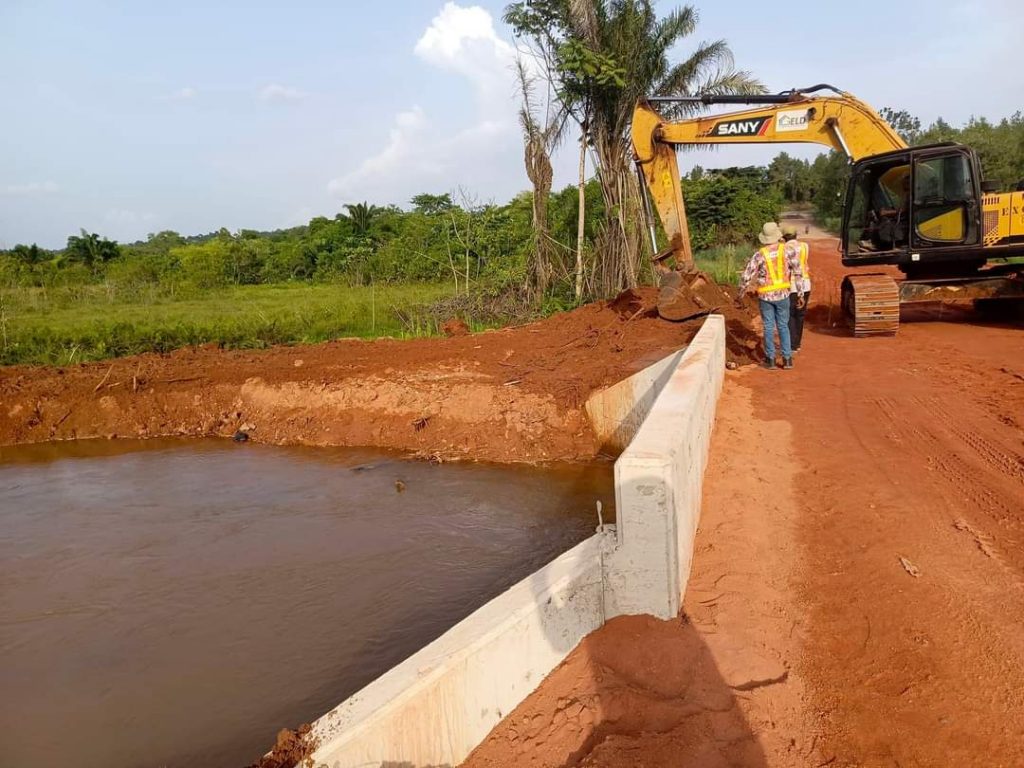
(871, 304)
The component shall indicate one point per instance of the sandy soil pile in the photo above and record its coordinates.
(290, 749)
(514, 394)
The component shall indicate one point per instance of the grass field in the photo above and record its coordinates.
(724, 263)
(69, 325)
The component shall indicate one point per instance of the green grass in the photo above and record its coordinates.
(725, 263)
(69, 325)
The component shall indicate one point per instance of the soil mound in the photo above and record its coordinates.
(291, 748)
(513, 394)
(455, 327)
(688, 296)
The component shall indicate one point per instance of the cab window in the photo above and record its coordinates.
(943, 199)
(878, 218)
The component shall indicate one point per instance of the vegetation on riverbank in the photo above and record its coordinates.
(61, 326)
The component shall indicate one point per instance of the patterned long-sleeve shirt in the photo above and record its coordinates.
(756, 273)
(804, 284)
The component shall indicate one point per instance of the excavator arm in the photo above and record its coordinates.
(840, 122)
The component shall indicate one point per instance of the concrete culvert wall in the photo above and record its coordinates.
(438, 705)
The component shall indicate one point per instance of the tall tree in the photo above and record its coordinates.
(628, 38)
(90, 249)
(904, 123)
(362, 215)
(431, 205)
(542, 130)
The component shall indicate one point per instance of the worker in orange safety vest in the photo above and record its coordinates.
(798, 289)
(770, 273)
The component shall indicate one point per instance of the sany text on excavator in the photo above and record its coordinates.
(925, 209)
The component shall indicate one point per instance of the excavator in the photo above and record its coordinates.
(926, 209)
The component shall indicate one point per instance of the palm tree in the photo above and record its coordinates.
(90, 249)
(628, 37)
(542, 131)
(362, 215)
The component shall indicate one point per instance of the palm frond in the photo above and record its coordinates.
(685, 78)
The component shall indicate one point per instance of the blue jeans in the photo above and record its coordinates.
(775, 314)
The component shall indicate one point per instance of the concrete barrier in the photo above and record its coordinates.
(617, 412)
(434, 708)
(658, 484)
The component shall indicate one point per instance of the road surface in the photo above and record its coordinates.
(857, 597)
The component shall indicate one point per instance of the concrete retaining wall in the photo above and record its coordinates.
(437, 705)
(434, 708)
(658, 484)
(617, 412)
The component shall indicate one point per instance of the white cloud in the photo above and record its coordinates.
(185, 93)
(421, 154)
(32, 189)
(278, 92)
(404, 154)
(463, 41)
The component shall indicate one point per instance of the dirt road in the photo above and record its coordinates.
(804, 223)
(858, 589)
(911, 534)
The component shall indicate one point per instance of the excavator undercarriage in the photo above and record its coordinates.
(871, 302)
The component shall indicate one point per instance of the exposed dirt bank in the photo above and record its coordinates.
(514, 394)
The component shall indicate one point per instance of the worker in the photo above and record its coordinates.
(799, 290)
(770, 273)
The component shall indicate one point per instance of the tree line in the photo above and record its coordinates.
(470, 244)
(583, 64)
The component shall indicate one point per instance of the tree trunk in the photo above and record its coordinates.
(538, 170)
(620, 240)
(582, 215)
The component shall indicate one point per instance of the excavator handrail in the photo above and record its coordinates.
(783, 97)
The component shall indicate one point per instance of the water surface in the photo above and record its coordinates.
(169, 603)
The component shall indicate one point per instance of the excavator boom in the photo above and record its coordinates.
(840, 122)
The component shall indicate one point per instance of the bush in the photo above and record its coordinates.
(729, 207)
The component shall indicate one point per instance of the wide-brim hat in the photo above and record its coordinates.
(770, 233)
(789, 229)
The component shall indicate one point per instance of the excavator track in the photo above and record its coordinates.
(871, 304)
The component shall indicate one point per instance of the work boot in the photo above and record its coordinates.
(768, 363)
(787, 362)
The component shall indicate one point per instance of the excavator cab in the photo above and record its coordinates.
(916, 208)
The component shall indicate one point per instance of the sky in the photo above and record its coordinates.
(127, 118)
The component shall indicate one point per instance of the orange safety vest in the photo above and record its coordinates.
(778, 273)
(803, 261)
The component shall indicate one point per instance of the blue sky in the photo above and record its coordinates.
(126, 118)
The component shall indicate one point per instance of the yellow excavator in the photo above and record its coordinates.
(925, 209)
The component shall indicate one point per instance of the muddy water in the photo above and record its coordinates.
(174, 604)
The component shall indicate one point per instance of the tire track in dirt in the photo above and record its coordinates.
(910, 449)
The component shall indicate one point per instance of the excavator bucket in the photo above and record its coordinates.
(682, 295)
